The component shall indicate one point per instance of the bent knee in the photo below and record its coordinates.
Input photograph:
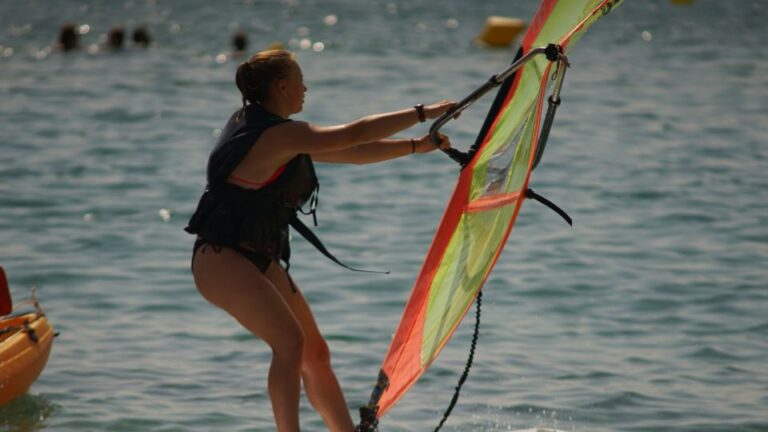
(316, 355)
(290, 347)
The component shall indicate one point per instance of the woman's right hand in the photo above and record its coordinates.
(426, 145)
(437, 109)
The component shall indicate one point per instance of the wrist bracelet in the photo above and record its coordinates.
(413, 146)
(420, 112)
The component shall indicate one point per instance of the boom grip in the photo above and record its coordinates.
(494, 81)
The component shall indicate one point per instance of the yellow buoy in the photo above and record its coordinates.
(501, 31)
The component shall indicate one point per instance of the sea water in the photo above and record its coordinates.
(648, 315)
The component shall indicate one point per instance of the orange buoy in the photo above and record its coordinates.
(25, 344)
(501, 31)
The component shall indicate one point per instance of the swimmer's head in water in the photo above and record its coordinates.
(240, 41)
(68, 37)
(116, 37)
(141, 37)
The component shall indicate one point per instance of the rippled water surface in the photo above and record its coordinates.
(648, 315)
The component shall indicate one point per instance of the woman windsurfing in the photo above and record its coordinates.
(260, 173)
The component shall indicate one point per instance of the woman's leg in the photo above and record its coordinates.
(231, 282)
(320, 383)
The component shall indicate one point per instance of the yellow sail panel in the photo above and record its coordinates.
(467, 263)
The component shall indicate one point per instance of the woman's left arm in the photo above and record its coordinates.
(379, 151)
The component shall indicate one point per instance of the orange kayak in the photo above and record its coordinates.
(25, 344)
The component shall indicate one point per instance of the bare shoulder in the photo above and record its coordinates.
(282, 138)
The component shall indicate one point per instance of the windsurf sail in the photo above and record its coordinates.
(490, 191)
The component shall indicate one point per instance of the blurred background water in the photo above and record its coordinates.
(648, 315)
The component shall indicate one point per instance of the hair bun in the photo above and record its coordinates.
(254, 76)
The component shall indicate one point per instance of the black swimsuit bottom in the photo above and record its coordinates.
(259, 259)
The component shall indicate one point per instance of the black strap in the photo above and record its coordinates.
(305, 232)
(533, 195)
(314, 199)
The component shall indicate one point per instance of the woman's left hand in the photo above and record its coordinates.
(426, 145)
(435, 110)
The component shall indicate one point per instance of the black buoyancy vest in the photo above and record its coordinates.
(229, 215)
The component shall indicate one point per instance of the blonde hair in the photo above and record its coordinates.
(255, 75)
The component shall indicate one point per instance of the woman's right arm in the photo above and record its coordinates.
(301, 137)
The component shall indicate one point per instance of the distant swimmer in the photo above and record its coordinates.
(115, 38)
(67, 38)
(239, 42)
(260, 175)
(141, 37)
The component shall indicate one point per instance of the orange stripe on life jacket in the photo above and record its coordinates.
(258, 185)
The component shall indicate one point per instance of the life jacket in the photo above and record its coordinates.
(258, 219)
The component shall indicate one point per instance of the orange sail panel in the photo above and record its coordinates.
(484, 205)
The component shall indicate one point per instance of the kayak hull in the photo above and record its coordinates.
(25, 345)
